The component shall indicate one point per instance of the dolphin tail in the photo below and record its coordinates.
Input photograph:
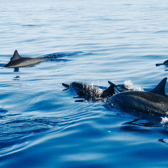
(109, 91)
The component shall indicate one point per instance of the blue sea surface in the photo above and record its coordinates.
(91, 41)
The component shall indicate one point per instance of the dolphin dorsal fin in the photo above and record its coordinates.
(15, 56)
(160, 88)
(109, 91)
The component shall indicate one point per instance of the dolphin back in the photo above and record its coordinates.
(18, 61)
(155, 101)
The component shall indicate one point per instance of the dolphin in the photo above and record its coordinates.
(17, 61)
(89, 91)
(97, 93)
(154, 101)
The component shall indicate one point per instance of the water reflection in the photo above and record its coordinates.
(162, 140)
(16, 69)
(16, 78)
(143, 123)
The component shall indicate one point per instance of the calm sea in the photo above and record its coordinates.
(42, 126)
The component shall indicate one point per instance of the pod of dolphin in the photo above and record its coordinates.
(154, 101)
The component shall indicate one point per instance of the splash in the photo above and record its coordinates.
(164, 120)
(92, 84)
(97, 91)
(129, 85)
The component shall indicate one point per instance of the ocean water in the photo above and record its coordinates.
(42, 126)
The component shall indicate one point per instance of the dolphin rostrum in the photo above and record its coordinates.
(18, 61)
(155, 101)
(164, 63)
(89, 91)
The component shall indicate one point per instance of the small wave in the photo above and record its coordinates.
(14, 133)
(22, 127)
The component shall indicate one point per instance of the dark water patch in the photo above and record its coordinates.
(30, 40)
(15, 135)
(61, 54)
(138, 122)
(2, 65)
(165, 132)
(80, 100)
(23, 127)
(32, 25)
(55, 59)
(128, 4)
(162, 32)
(3, 110)
(135, 129)
(152, 57)
(159, 153)
(89, 53)
(58, 56)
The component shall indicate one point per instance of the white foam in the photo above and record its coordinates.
(164, 120)
(129, 85)
(92, 83)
